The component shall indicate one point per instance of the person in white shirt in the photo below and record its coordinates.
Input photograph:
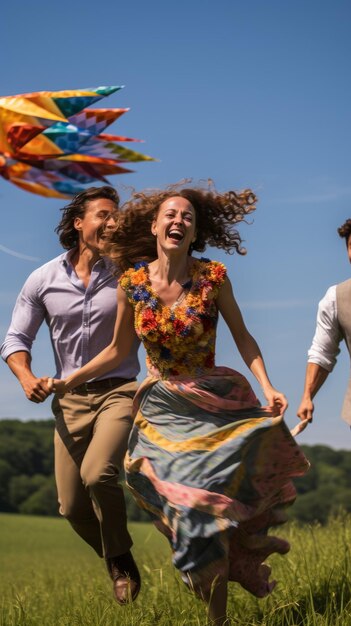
(333, 325)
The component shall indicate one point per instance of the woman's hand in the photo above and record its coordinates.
(57, 386)
(277, 401)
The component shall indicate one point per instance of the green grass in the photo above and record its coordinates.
(49, 577)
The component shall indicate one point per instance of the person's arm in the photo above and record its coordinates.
(36, 389)
(111, 356)
(315, 376)
(322, 354)
(27, 317)
(248, 347)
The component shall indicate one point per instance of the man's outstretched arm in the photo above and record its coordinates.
(27, 317)
(36, 389)
(315, 376)
(322, 354)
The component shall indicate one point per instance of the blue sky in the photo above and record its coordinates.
(251, 94)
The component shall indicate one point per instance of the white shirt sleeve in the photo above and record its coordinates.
(325, 345)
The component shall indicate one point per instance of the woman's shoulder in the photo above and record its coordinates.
(213, 271)
(134, 276)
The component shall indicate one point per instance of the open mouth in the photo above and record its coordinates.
(175, 235)
(104, 235)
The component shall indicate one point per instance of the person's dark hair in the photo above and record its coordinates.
(216, 215)
(68, 235)
(345, 230)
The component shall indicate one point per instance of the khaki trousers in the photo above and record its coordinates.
(91, 438)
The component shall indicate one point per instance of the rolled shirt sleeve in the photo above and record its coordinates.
(80, 319)
(325, 344)
(27, 317)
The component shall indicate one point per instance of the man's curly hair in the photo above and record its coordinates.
(68, 235)
(216, 214)
(345, 230)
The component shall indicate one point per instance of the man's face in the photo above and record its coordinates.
(98, 220)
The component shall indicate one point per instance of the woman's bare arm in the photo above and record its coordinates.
(247, 345)
(111, 356)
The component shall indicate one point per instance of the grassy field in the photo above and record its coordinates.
(50, 578)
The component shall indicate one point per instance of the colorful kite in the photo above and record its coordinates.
(50, 144)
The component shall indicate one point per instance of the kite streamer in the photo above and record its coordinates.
(51, 144)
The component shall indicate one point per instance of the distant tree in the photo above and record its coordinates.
(26, 460)
(329, 475)
(6, 474)
(27, 482)
(43, 501)
(21, 488)
(341, 501)
(345, 466)
(309, 482)
(27, 446)
(313, 506)
(323, 454)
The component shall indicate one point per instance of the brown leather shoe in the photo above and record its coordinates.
(125, 576)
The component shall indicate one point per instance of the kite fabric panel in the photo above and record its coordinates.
(51, 144)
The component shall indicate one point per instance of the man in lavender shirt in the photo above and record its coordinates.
(333, 326)
(75, 294)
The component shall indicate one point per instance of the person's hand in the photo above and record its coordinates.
(57, 386)
(276, 400)
(305, 413)
(36, 389)
(306, 408)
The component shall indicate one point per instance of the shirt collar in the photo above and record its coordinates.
(103, 262)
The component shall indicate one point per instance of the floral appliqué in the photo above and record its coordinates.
(179, 340)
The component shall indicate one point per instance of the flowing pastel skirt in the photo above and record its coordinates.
(213, 468)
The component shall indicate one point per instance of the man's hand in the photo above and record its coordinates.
(305, 413)
(306, 408)
(314, 379)
(36, 389)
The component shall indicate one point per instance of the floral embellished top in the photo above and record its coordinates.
(179, 339)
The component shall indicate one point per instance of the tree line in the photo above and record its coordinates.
(27, 482)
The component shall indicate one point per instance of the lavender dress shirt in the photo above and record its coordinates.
(80, 320)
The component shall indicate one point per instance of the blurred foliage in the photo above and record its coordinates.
(27, 482)
(326, 488)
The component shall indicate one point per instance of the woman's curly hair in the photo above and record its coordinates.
(216, 215)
